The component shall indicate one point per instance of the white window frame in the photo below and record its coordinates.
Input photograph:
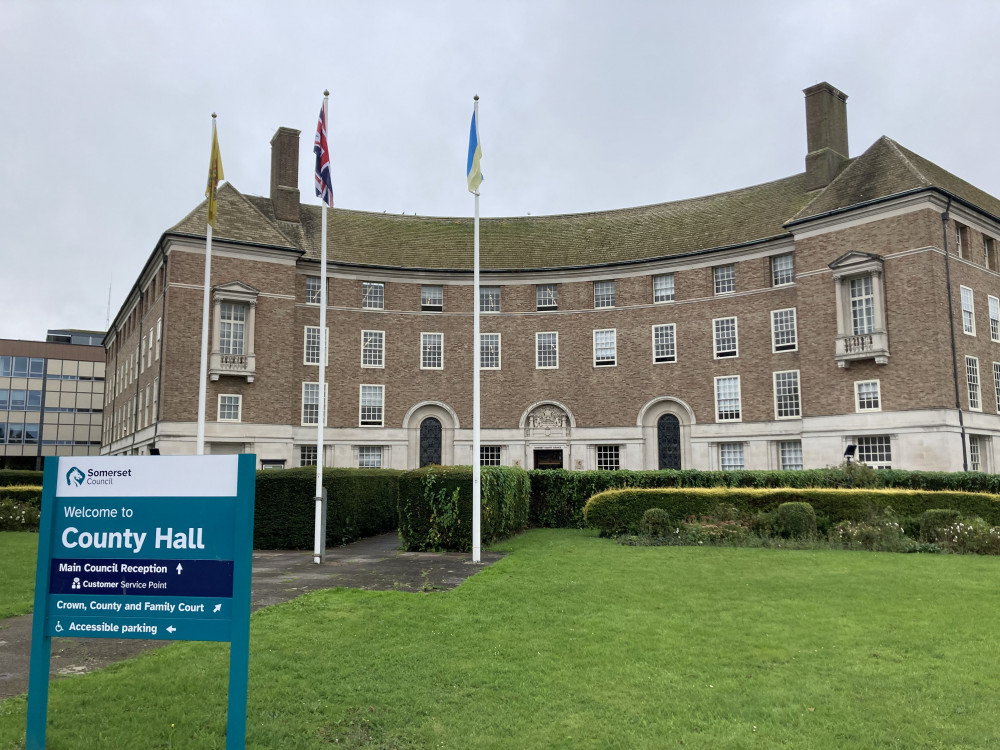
(794, 449)
(370, 456)
(149, 349)
(373, 336)
(716, 339)
(974, 382)
(968, 310)
(380, 389)
(308, 460)
(142, 356)
(724, 279)
(486, 296)
(546, 296)
(490, 461)
(229, 342)
(976, 452)
(739, 399)
(784, 346)
(314, 296)
(606, 362)
(431, 297)
(159, 335)
(994, 304)
(664, 290)
(782, 265)
(238, 404)
(669, 342)
(482, 346)
(862, 442)
(737, 448)
(326, 403)
(427, 353)
(306, 330)
(797, 394)
(612, 453)
(604, 294)
(538, 350)
(372, 295)
(996, 383)
(858, 405)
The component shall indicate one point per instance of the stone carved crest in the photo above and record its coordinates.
(547, 419)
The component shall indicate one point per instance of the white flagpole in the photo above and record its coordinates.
(319, 545)
(476, 473)
(203, 371)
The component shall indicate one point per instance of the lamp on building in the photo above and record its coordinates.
(849, 453)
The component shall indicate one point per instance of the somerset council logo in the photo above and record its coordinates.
(75, 477)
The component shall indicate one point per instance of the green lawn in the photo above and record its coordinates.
(18, 553)
(574, 641)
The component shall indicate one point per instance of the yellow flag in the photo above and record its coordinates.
(214, 176)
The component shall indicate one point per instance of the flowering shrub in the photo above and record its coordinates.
(875, 535)
(973, 537)
(15, 516)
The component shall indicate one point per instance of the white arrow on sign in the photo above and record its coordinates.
(179, 568)
(171, 629)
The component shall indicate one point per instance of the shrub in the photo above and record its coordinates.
(974, 537)
(19, 477)
(795, 520)
(879, 535)
(935, 520)
(656, 522)
(31, 496)
(709, 530)
(18, 516)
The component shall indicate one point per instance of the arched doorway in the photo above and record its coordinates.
(668, 442)
(430, 441)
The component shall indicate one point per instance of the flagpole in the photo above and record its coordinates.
(476, 471)
(319, 545)
(203, 370)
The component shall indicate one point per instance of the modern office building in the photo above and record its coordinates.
(51, 397)
(855, 303)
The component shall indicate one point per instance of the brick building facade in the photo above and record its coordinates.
(855, 303)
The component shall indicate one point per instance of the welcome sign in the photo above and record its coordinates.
(154, 547)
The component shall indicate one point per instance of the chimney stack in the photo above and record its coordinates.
(285, 174)
(826, 132)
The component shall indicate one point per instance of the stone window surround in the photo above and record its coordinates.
(848, 346)
(242, 365)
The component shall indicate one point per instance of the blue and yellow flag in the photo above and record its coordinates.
(473, 170)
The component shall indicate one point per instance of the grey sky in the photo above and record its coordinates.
(105, 111)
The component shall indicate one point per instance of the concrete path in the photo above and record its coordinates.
(376, 564)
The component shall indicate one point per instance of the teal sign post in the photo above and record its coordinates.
(154, 547)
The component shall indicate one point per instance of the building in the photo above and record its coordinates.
(51, 397)
(855, 303)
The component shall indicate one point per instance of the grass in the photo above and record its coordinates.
(574, 641)
(18, 555)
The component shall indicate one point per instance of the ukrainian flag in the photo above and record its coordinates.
(473, 170)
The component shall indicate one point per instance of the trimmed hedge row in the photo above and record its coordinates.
(621, 511)
(29, 496)
(435, 506)
(558, 497)
(14, 477)
(360, 503)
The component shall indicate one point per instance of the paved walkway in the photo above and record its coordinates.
(374, 564)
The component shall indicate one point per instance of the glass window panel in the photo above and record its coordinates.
(546, 297)
(604, 294)
(725, 279)
(782, 269)
(489, 299)
(372, 295)
(664, 343)
(663, 287)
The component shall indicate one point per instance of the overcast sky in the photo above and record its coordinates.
(105, 111)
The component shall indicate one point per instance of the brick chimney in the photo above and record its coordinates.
(285, 174)
(826, 131)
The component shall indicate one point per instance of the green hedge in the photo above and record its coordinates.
(435, 506)
(558, 497)
(360, 503)
(30, 496)
(13, 477)
(620, 511)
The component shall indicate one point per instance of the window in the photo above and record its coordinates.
(149, 350)
(725, 338)
(307, 455)
(972, 378)
(994, 318)
(5, 365)
(372, 397)
(605, 349)
(22, 367)
(725, 279)
(313, 290)
(31, 434)
(968, 312)
(310, 403)
(731, 456)
(990, 253)
(156, 398)
(313, 346)
(604, 294)
(862, 306)
(787, 400)
(36, 367)
(868, 396)
(875, 450)
(782, 270)
(373, 348)
(159, 335)
(232, 327)
(229, 407)
(664, 343)
(431, 297)
(431, 351)
(608, 458)
(370, 457)
(489, 299)
(546, 298)
(18, 399)
(784, 335)
(663, 288)
(547, 350)
(962, 241)
(372, 295)
(975, 454)
(15, 433)
(996, 383)
(489, 351)
(790, 455)
(4, 399)
(727, 399)
(489, 455)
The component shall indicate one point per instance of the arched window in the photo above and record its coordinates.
(430, 441)
(668, 441)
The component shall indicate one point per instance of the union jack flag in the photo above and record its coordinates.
(324, 183)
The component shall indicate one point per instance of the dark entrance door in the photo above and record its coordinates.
(430, 441)
(668, 441)
(548, 459)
